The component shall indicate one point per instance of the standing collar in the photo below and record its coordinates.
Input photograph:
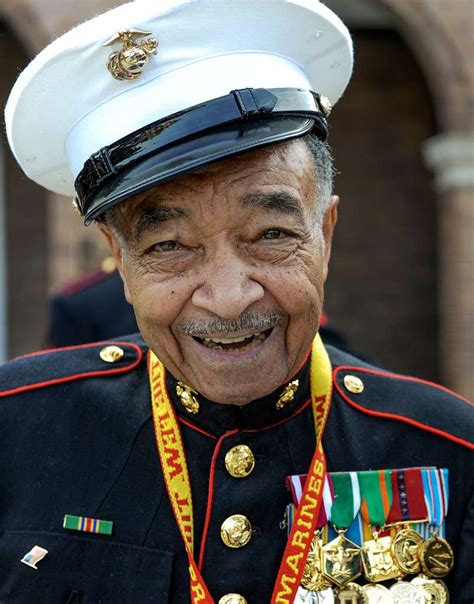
(217, 418)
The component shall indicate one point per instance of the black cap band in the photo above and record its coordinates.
(242, 120)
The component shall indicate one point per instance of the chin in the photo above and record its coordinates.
(238, 392)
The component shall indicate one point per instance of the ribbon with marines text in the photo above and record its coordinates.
(176, 476)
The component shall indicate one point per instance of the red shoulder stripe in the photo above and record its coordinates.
(394, 416)
(78, 376)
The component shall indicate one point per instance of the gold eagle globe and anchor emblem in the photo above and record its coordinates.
(129, 62)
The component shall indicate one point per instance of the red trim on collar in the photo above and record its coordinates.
(394, 416)
(282, 421)
(193, 427)
(78, 376)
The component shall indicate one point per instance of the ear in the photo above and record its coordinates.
(118, 255)
(329, 223)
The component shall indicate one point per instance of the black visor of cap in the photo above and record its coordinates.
(203, 134)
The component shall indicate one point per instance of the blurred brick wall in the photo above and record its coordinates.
(381, 289)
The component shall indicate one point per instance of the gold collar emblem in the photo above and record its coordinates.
(187, 398)
(129, 62)
(288, 394)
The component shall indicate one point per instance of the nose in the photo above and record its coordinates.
(227, 287)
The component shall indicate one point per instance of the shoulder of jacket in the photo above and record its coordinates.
(60, 365)
(387, 395)
(85, 282)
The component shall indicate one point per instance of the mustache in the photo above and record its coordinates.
(248, 321)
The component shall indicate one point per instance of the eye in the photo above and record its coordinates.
(167, 246)
(273, 234)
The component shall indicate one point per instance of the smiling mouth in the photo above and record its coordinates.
(237, 343)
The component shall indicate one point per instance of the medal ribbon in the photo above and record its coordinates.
(296, 483)
(346, 499)
(408, 499)
(176, 476)
(376, 493)
(435, 486)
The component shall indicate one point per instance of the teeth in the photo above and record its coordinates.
(215, 343)
(233, 340)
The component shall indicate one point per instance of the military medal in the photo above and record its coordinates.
(341, 557)
(436, 555)
(435, 590)
(376, 493)
(313, 578)
(377, 594)
(408, 504)
(405, 547)
(403, 592)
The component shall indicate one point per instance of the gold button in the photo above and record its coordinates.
(239, 461)
(353, 384)
(111, 354)
(236, 531)
(232, 599)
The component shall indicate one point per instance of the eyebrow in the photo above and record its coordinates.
(278, 201)
(150, 218)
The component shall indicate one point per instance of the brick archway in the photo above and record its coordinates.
(441, 38)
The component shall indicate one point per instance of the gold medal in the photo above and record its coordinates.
(436, 557)
(403, 592)
(313, 579)
(377, 594)
(435, 590)
(405, 551)
(351, 594)
(377, 560)
(341, 561)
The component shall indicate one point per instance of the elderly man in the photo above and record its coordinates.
(227, 456)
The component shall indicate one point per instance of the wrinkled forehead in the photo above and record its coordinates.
(274, 178)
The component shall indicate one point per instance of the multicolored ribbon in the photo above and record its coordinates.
(435, 488)
(376, 494)
(296, 484)
(347, 499)
(408, 500)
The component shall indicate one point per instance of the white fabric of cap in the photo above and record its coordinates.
(65, 106)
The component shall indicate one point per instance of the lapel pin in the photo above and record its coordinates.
(88, 525)
(35, 554)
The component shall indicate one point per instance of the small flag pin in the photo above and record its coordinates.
(88, 525)
(35, 554)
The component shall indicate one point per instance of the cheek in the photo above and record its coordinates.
(299, 292)
(155, 303)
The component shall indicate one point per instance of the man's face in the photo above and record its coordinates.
(225, 270)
